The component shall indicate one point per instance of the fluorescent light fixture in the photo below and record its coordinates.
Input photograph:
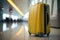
(12, 3)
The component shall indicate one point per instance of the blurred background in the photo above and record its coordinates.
(14, 16)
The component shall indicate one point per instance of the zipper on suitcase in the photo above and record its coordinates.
(46, 18)
(45, 7)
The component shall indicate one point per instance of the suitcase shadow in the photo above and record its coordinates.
(44, 36)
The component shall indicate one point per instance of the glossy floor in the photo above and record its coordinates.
(19, 31)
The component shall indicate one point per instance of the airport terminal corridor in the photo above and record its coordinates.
(20, 18)
(19, 31)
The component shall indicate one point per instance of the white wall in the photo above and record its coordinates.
(53, 17)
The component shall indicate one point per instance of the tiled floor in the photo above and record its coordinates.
(19, 31)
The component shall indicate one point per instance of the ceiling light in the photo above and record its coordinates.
(12, 3)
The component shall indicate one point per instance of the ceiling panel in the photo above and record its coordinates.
(22, 5)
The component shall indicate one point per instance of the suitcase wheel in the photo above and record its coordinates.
(48, 35)
(40, 34)
(29, 33)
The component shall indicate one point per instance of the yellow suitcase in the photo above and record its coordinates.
(38, 22)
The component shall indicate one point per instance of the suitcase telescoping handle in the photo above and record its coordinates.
(40, 1)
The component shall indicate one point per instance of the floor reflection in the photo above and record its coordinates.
(19, 31)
